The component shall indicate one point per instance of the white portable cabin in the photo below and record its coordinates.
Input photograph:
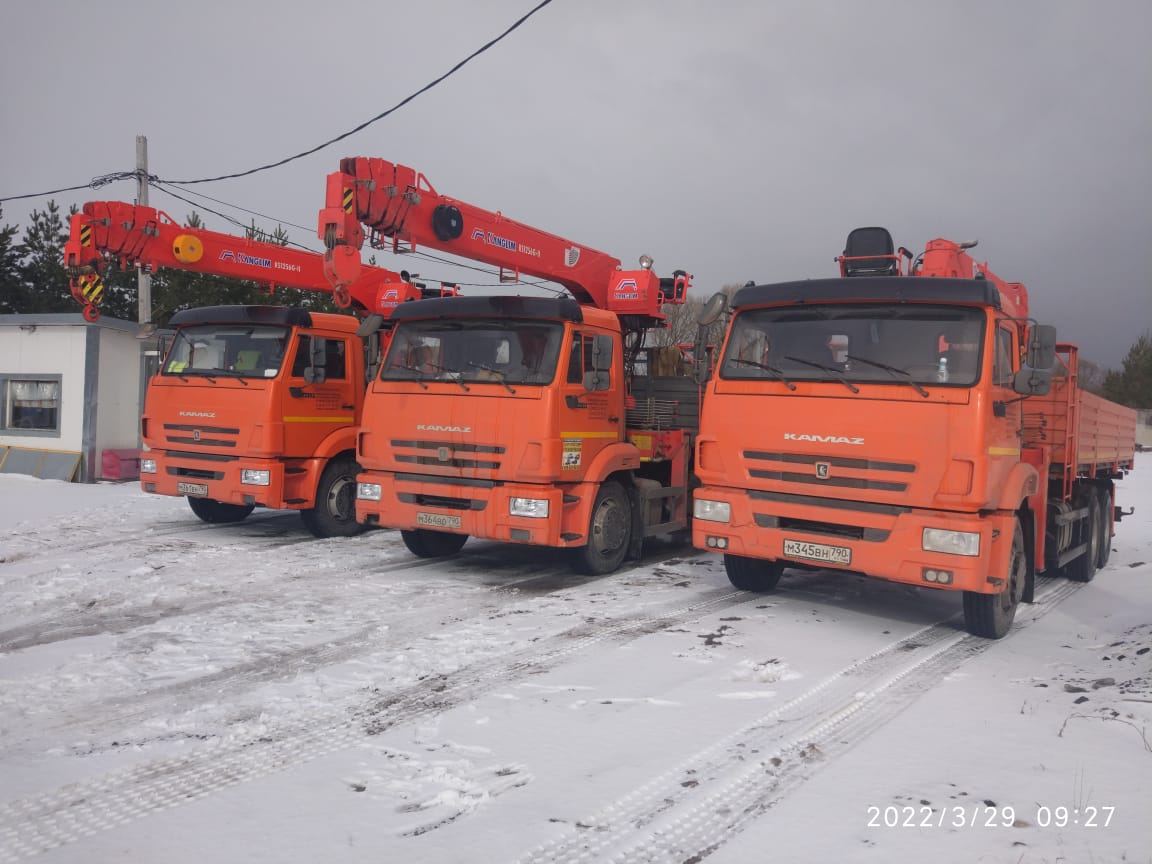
(1144, 429)
(71, 394)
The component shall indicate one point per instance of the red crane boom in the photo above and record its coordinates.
(134, 235)
(399, 204)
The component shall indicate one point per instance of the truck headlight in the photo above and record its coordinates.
(951, 542)
(368, 491)
(147, 466)
(533, 508)
(711, 511)
(252, 477)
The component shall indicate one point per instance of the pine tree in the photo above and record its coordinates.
(1133, 386)
(11, 285)
(42, 276)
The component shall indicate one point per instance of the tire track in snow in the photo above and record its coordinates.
(98, 620)
(690, 811)
(118, 713)
(76, 625)
(110, 716)
(72, 538)
(131, 547)
(37, 824)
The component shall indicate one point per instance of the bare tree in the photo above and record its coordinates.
(1092, 376)
(682, 321)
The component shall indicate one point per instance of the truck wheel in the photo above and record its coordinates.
(433, 544)
(1105, 529)
(609, 532)
(1083, 569)
(990, 615)
(753, 574)
(334, 514)
(217, 512)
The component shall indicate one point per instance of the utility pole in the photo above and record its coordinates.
(143, 279)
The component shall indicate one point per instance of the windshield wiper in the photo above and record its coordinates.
(500, 376)
(419, 372)
(776, 373)
(211, 374)
(893, 370)
(234, 373)
(450, 374)
(839, 375)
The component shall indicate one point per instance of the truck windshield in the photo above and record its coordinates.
(500, 351)
(227, 350)
(915, 345)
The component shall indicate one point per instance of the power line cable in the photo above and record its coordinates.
(161, 185)
(380, 116)
(94, 183)
(103, 180)
(487, 271)
(224, 216)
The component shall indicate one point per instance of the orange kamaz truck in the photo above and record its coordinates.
(523, 419)
(909, 421)
(253, 406)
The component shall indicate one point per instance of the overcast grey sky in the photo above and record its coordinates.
(737, 139)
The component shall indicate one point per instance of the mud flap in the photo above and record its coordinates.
(636, 544)
(1029, 526)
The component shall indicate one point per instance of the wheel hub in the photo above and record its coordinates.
(610, 527)
(342, 500)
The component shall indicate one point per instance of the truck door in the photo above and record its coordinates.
(1006, 432)
(313, 411)
(590, 420)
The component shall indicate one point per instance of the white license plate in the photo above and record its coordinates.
(818, 552)
(437, 520)
(192, 488)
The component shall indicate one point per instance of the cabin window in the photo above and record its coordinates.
(501, 352)
(336, 361)
(32, 405)
(1002, 371)
(876, 343)
(580, 360)
(227, 350)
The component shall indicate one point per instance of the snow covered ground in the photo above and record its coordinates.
(177, 692)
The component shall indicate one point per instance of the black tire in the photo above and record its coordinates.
(991, 615)
(753, 574)
(1083, 569)
(219, 513)
(609, 532)
(433, 544)
(334, 512)
(1105, 528)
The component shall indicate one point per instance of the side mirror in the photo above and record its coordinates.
(370, 325)
(713, 309)
(314, 372)
(1030, 381)
(163, 346)
(600, 377)
(1041, 353)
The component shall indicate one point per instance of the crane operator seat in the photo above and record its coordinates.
(870, 252)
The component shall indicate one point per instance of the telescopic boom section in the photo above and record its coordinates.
(133, 235)
(400, 207)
